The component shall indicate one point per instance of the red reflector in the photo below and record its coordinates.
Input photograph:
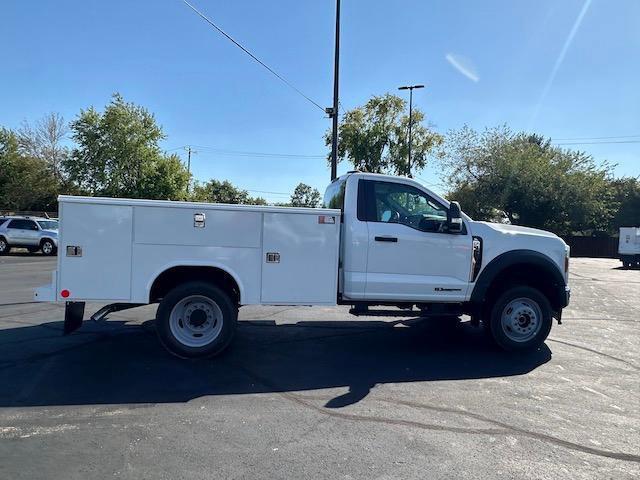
(326, 219)
(64, 293)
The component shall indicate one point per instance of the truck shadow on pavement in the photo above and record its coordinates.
(118, 363)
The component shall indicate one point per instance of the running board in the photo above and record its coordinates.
(425, 313)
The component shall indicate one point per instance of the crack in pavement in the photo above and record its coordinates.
(504, 427)
(584, 277)
(9, 315)
(521, 431)
(17, 303)
(626, 362)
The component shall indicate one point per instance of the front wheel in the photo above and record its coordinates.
(4, 246)
(520, 319)
(196, 320)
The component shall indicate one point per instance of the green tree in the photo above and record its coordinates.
(374, 137)
(117, 154)
(26, 182)
(626, 194)
(305, 196)
(216, 191)
(531, 181)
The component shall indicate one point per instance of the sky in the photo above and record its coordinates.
(566, 69)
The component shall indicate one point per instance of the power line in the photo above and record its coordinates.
(599, 143)
(270, 193)
(258, 154)
(431, 184)
(241, 153)
(280, 77)
(596, 138)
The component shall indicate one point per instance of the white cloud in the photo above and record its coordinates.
(463, 65)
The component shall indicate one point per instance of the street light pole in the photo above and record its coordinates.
(410, 88)
(334, 110)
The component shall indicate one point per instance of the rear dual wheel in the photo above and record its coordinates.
(196, 320)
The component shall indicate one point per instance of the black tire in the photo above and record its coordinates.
(504, 336)
(171, 338)
(4, 246)
(48, 247)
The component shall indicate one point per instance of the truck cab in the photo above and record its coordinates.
(402, 244)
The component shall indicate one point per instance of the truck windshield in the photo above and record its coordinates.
(334, 195)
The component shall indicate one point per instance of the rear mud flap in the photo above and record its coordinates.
(73, 315)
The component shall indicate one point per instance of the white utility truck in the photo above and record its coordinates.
(378, 240)
(629, 246)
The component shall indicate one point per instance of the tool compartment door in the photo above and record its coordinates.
(102, 268)
(299, 259)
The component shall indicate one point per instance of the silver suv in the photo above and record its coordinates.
(32, 233)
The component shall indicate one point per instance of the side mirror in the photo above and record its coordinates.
(454, 218)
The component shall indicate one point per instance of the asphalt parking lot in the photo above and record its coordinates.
(317, 393)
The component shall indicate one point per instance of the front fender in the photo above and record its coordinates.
(523, 258)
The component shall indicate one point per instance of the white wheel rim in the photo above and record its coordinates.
(3, 245)
(196, 321)
(47, 248)
(521, 319)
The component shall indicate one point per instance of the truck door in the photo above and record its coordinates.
(411, 255)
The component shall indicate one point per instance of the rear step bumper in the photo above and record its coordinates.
(74, 314)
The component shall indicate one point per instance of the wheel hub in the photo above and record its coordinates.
(197, 318)
(521, 319)
(524, 320)
(196, 321)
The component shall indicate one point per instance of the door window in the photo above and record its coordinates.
(22, 224)
(404, 204)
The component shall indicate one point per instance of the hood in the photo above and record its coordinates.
(517, 230)
(50, 232)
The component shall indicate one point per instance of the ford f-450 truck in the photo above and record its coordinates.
(377, 240)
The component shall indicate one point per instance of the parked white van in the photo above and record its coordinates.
(629, 246)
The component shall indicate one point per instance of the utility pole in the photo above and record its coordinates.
(333, 112)
(410, 88)
(189, 152)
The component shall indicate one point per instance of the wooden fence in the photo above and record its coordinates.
(29, 213)
(596, 247)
